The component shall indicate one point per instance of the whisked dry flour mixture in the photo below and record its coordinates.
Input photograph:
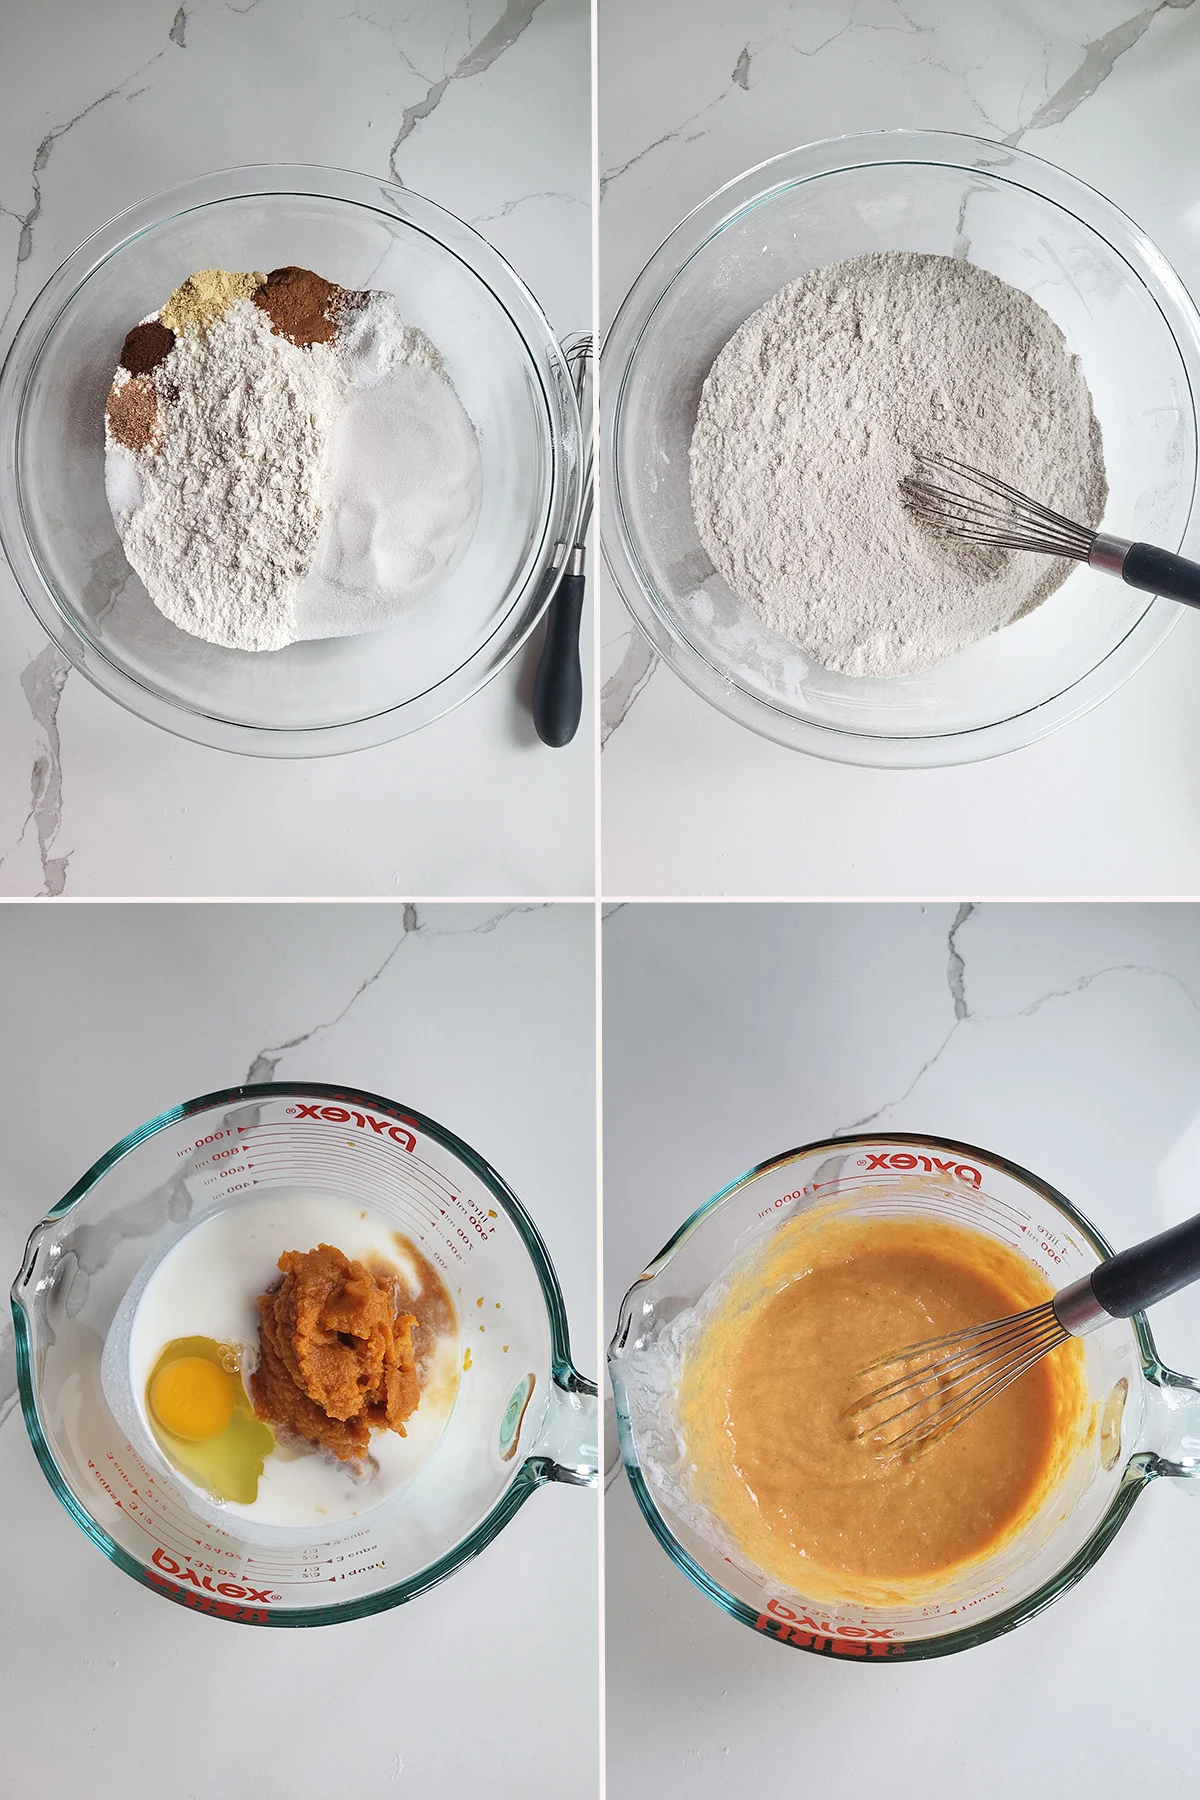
(808, 421)
(286, 459)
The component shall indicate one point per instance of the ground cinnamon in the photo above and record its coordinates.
(301, 306)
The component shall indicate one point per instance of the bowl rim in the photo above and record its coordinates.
(1138, 1472)
(699, 226)
(531, 1474)
(543, 566)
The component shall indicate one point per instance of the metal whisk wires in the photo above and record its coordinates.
(985, 510)
(941, 1383)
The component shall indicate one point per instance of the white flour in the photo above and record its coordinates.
(808, 421)
(297, 492)
(220, 540)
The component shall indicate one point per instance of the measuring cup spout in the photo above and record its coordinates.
(568, 1445)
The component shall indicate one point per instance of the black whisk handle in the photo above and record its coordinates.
(1160, 572)
(558, 685)
(1136, 1278)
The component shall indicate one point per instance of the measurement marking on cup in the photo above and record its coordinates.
(783, 1200)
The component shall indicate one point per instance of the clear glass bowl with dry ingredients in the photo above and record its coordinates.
(1124, 313)
(320, 696)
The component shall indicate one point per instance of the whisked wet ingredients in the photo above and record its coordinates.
(768, 1387)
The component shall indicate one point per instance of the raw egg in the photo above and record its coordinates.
(202, 1419)
(192, 1398)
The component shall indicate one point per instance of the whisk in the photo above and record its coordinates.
(558, 684)
(941, 1383)
(985, 510)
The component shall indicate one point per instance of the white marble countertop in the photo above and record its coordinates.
(691, 95)
(484, 108)
(1065, 1037)
(482, 1017)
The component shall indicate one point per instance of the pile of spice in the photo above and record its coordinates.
(286, 459)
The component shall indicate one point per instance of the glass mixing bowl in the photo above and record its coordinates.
(338, 693)
(522, 1416)
(1147, 1417)
(1123, 311)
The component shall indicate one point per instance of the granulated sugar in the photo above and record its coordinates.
(809, 419)
(403, 492)
(290, 461)
(405, 478)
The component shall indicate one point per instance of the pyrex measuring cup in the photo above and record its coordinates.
(522, 1415)
(1146, 1418)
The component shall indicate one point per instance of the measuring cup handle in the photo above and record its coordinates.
(568, 1445)
(1173, 1436)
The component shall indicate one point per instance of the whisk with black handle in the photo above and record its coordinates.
(985, 510)
(942, 1382)
(558, 684)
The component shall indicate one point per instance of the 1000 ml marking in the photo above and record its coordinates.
(214, 1137)
(783, 1200)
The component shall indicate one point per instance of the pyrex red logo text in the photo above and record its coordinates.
(809, 1632)
(217, 1597)
(339, 1115)
(906, 1159)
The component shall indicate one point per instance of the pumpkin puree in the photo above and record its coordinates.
(335, 1353)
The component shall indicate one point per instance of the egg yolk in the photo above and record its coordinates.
(200, 1415)
(192, 1398)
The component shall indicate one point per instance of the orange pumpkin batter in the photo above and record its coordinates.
(769, 1383)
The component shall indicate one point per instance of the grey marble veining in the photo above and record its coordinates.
(266, 1063)
(476, 59)
(965, 1015)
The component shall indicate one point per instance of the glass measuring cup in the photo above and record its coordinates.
(522, 1416)
(1147, 1418)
